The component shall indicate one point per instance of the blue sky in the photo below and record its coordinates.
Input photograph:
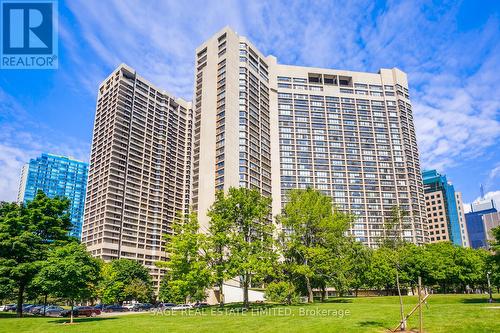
(450, 50)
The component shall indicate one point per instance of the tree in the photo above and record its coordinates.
(188, 275)
(440, 264)
(312, 232)
(358, 266)
(138, 290)
(27, 233)
(382, 272)
(281, 292)
(495, 244)
(6, 288)
(413, 264)
(218, 244)
(393, 239)
(245, 214)
(494, 260)
(121, 279)
(71, 273)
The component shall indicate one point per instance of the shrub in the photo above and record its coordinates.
(281, 292)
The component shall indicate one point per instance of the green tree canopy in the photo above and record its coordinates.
(70, 272)
(124, 280)
(187, 273)
(313, 233)
(27, 233)
(245, 214)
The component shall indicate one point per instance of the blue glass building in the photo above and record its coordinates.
(57, 176)
(436, 182)
(475, 225)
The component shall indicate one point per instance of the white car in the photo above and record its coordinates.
(182, 307)
(128, 306)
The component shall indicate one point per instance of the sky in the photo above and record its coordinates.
(449, 49)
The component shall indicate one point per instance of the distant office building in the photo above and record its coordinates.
(490, 221)
(139, 177)
(443, 209)
(475, 224)
(56, 176)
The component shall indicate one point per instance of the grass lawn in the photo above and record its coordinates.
(446, 313)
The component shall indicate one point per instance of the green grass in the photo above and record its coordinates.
(446, 313)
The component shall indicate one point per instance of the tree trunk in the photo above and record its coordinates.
(323, 294)
(44, 304)
(221, 293)
(356, 292)
(20, 297)
(71, 313)
(310, 297)
(245, 292)
(401, 307)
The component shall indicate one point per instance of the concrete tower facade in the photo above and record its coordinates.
(139, 176)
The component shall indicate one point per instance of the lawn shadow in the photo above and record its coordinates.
(479, 300)
(371, 323)
(80, 320)
(253, 306)
(338, 300)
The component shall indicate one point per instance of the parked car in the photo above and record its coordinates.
(182, 307)
(87, 311)
(27, 308)
(11, 307)
(100, 307)
(165, 306)
(129, 306)
(38, 310)
(6, 307)
(141, 307)
(35, 309)
(54, 311)
(115, 308)
(199, 305)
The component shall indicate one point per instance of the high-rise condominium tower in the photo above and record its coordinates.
(139, 176)
(56, 176)
(348, 134)
(257, 124)
(232, 135)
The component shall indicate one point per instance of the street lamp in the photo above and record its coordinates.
(489, 287)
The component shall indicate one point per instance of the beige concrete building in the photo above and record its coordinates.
(461, 219)
(444, 209)
(139, 176)
(348, 134)
(232, 120)
(437, 217)
(254, 123)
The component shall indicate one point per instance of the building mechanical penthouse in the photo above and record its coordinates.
(257, 124)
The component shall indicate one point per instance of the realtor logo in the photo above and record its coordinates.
(29, 34)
